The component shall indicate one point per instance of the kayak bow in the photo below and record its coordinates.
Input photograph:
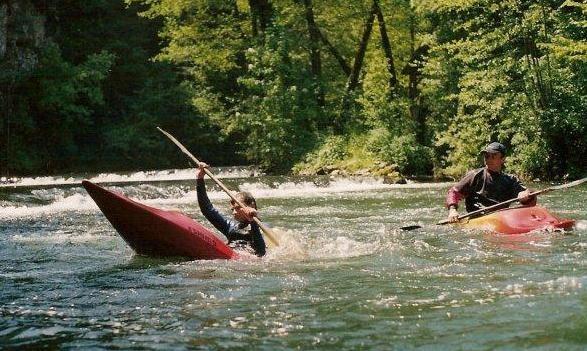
(519, 220)
(154, 232)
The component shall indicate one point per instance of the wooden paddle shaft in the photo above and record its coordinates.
(263, 227)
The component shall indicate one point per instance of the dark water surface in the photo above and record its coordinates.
(344, 278)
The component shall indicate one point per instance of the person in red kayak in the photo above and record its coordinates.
(487, 186)
(242, 231)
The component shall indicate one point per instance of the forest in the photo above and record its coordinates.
(311, 87)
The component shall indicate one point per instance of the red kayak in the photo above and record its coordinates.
(154, 232)
(519, 220)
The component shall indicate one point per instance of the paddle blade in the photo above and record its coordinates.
(180, 146)
(568, 185)
(411, 227)
(269, 233)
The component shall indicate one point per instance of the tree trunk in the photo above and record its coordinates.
(315, 59)
(341, 60)
(360, 55)
(254, 20)
(413, 88)
(5, 132)
(413, 71)
(386, 48)
(533, 63)
(353, 80)
(261, 13)
(547, 40)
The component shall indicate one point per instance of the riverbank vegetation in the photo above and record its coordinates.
(385, 87)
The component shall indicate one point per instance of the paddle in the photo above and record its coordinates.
(266, 230)
(492, 208)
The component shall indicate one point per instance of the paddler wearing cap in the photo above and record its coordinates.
(488, 185)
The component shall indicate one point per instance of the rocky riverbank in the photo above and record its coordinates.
(389, 172)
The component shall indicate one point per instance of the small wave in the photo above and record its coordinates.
(562, 285)
(342, 247)
(291, 246)
(76, 202)
(565, 284)
(338, 185)
(581, 225)
(59, 237)
(41, 181)
(142, 176)
(175, 174)
(170, 196)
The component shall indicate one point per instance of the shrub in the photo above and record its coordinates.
(403, 151)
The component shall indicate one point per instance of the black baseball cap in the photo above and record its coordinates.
(493, 148)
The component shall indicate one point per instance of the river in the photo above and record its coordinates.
(345, 277)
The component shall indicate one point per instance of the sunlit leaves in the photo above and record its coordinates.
(506, 70)
(504, 63)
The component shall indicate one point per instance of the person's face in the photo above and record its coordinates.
(494, 161)
(236, 213)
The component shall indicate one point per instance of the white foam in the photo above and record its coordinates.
(305, 189)
(292, 190)
(57, 237)
(565, 284)
(76, 202)
(581, 225)
(173, 174)
(340, 185)
(295, 247)
(342, 247)
(291, 246)
(142, 176)
(40, 181)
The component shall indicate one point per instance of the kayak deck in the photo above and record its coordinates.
(154, 232)
(519, 220)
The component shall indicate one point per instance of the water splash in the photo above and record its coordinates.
(168, 196)
(341, 247)
(76, 202)
(336, 185)
(581, 225)
(291, 246)
(134, 177)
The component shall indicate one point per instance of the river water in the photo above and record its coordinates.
(345, 277)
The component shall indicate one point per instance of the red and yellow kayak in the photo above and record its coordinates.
(154, 232)
(519, 220)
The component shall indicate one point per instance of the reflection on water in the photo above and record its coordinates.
(344, 277)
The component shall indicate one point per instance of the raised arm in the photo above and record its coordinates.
(219, 221)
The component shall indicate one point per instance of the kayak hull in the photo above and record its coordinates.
(154, 232)
(519, 220)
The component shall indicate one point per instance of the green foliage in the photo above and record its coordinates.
(330, 152)
(66, 97)
(498, 73)
(94, 97)
(379, 111)
(403, 151)
(68, 91)
(530, 157)
(278, 110)
(238, 88)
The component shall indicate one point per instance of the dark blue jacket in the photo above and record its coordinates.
(482, 188)
(239, 234)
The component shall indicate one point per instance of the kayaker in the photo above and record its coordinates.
(242, 231)
(488, 185)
